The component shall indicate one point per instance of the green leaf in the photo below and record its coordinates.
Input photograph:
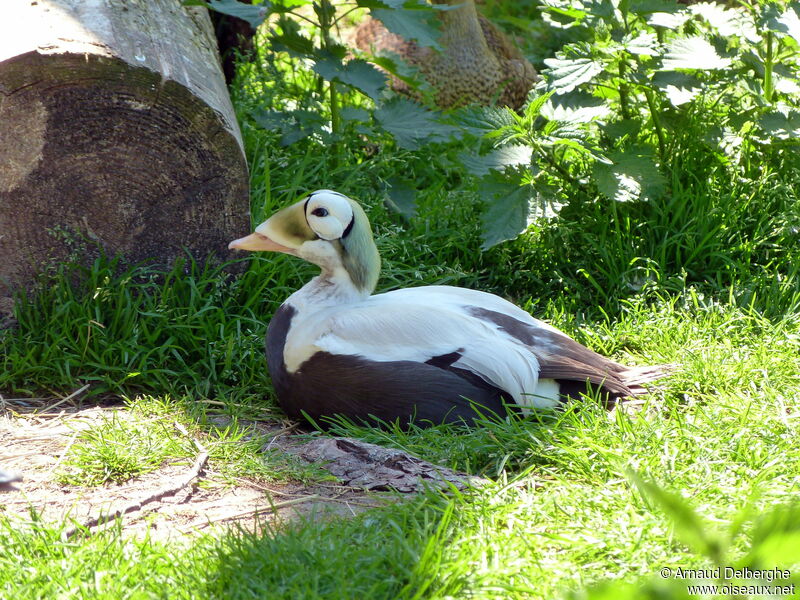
(679, 87)
(499, 159)
(781, 125)
(351, 113)
(545, 203)
(785, 85)
(574, 13)
(778, 549)
(269, 119)
(573, 135)
(632, 175)
(485, 120)
(643, 44)
(603, 9)
(620, 130)
(727, 21)
(357, 73)
(726, 140)
(363, 76)
(410, 123)
(668, 20)
(791, 20)
(253, 14)
(776, 537)
(575, 107)
(329, 68)
(556, 20)
(401, 196)
(562, 14)
(395, 4)
(646, 7)
(689, 526)
(291, 40)
(695, 53)
(653, 589)
(535, 104)
(371, 4)
(787, 22)
(565, 75)
(407, 73)
(507, 213)
(293, 125)
(562, 18)
(578, 145)
(416, 24)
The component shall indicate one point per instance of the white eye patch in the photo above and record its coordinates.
(328, 213)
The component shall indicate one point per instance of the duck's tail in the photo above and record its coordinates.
(636, 377)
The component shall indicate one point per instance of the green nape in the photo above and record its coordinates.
(360, 257)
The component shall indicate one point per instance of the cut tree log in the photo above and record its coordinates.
(116, 126)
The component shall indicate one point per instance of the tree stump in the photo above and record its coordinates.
(116, 126)
(477, 62)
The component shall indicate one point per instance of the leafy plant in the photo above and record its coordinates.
(616, 110)
(528, 162)
(350, 88)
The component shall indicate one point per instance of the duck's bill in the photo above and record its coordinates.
(258, 242)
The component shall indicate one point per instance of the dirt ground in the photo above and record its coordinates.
(179, 498)
(33, 444)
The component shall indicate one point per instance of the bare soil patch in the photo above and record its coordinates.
(34, 444)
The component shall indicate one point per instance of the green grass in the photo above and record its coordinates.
(705, 278)
(38, 563)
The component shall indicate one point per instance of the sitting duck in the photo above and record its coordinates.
(430, 354)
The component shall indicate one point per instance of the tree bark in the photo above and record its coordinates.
(363, 465)
(116, 126)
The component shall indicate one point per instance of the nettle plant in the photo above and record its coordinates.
(646, 79)
(345, 80)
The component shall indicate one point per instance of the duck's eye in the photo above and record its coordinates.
(320, 212)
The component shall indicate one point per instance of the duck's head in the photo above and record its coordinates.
(324, 228)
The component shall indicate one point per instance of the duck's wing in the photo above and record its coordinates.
(560, 357)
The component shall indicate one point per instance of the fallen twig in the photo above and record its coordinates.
(69, 445)
(278, 434)
(68, 398)
(263, 488)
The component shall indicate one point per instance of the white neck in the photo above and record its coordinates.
(330, 288)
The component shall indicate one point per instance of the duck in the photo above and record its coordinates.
(7, 478)
(477, 61)
(425, 355)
